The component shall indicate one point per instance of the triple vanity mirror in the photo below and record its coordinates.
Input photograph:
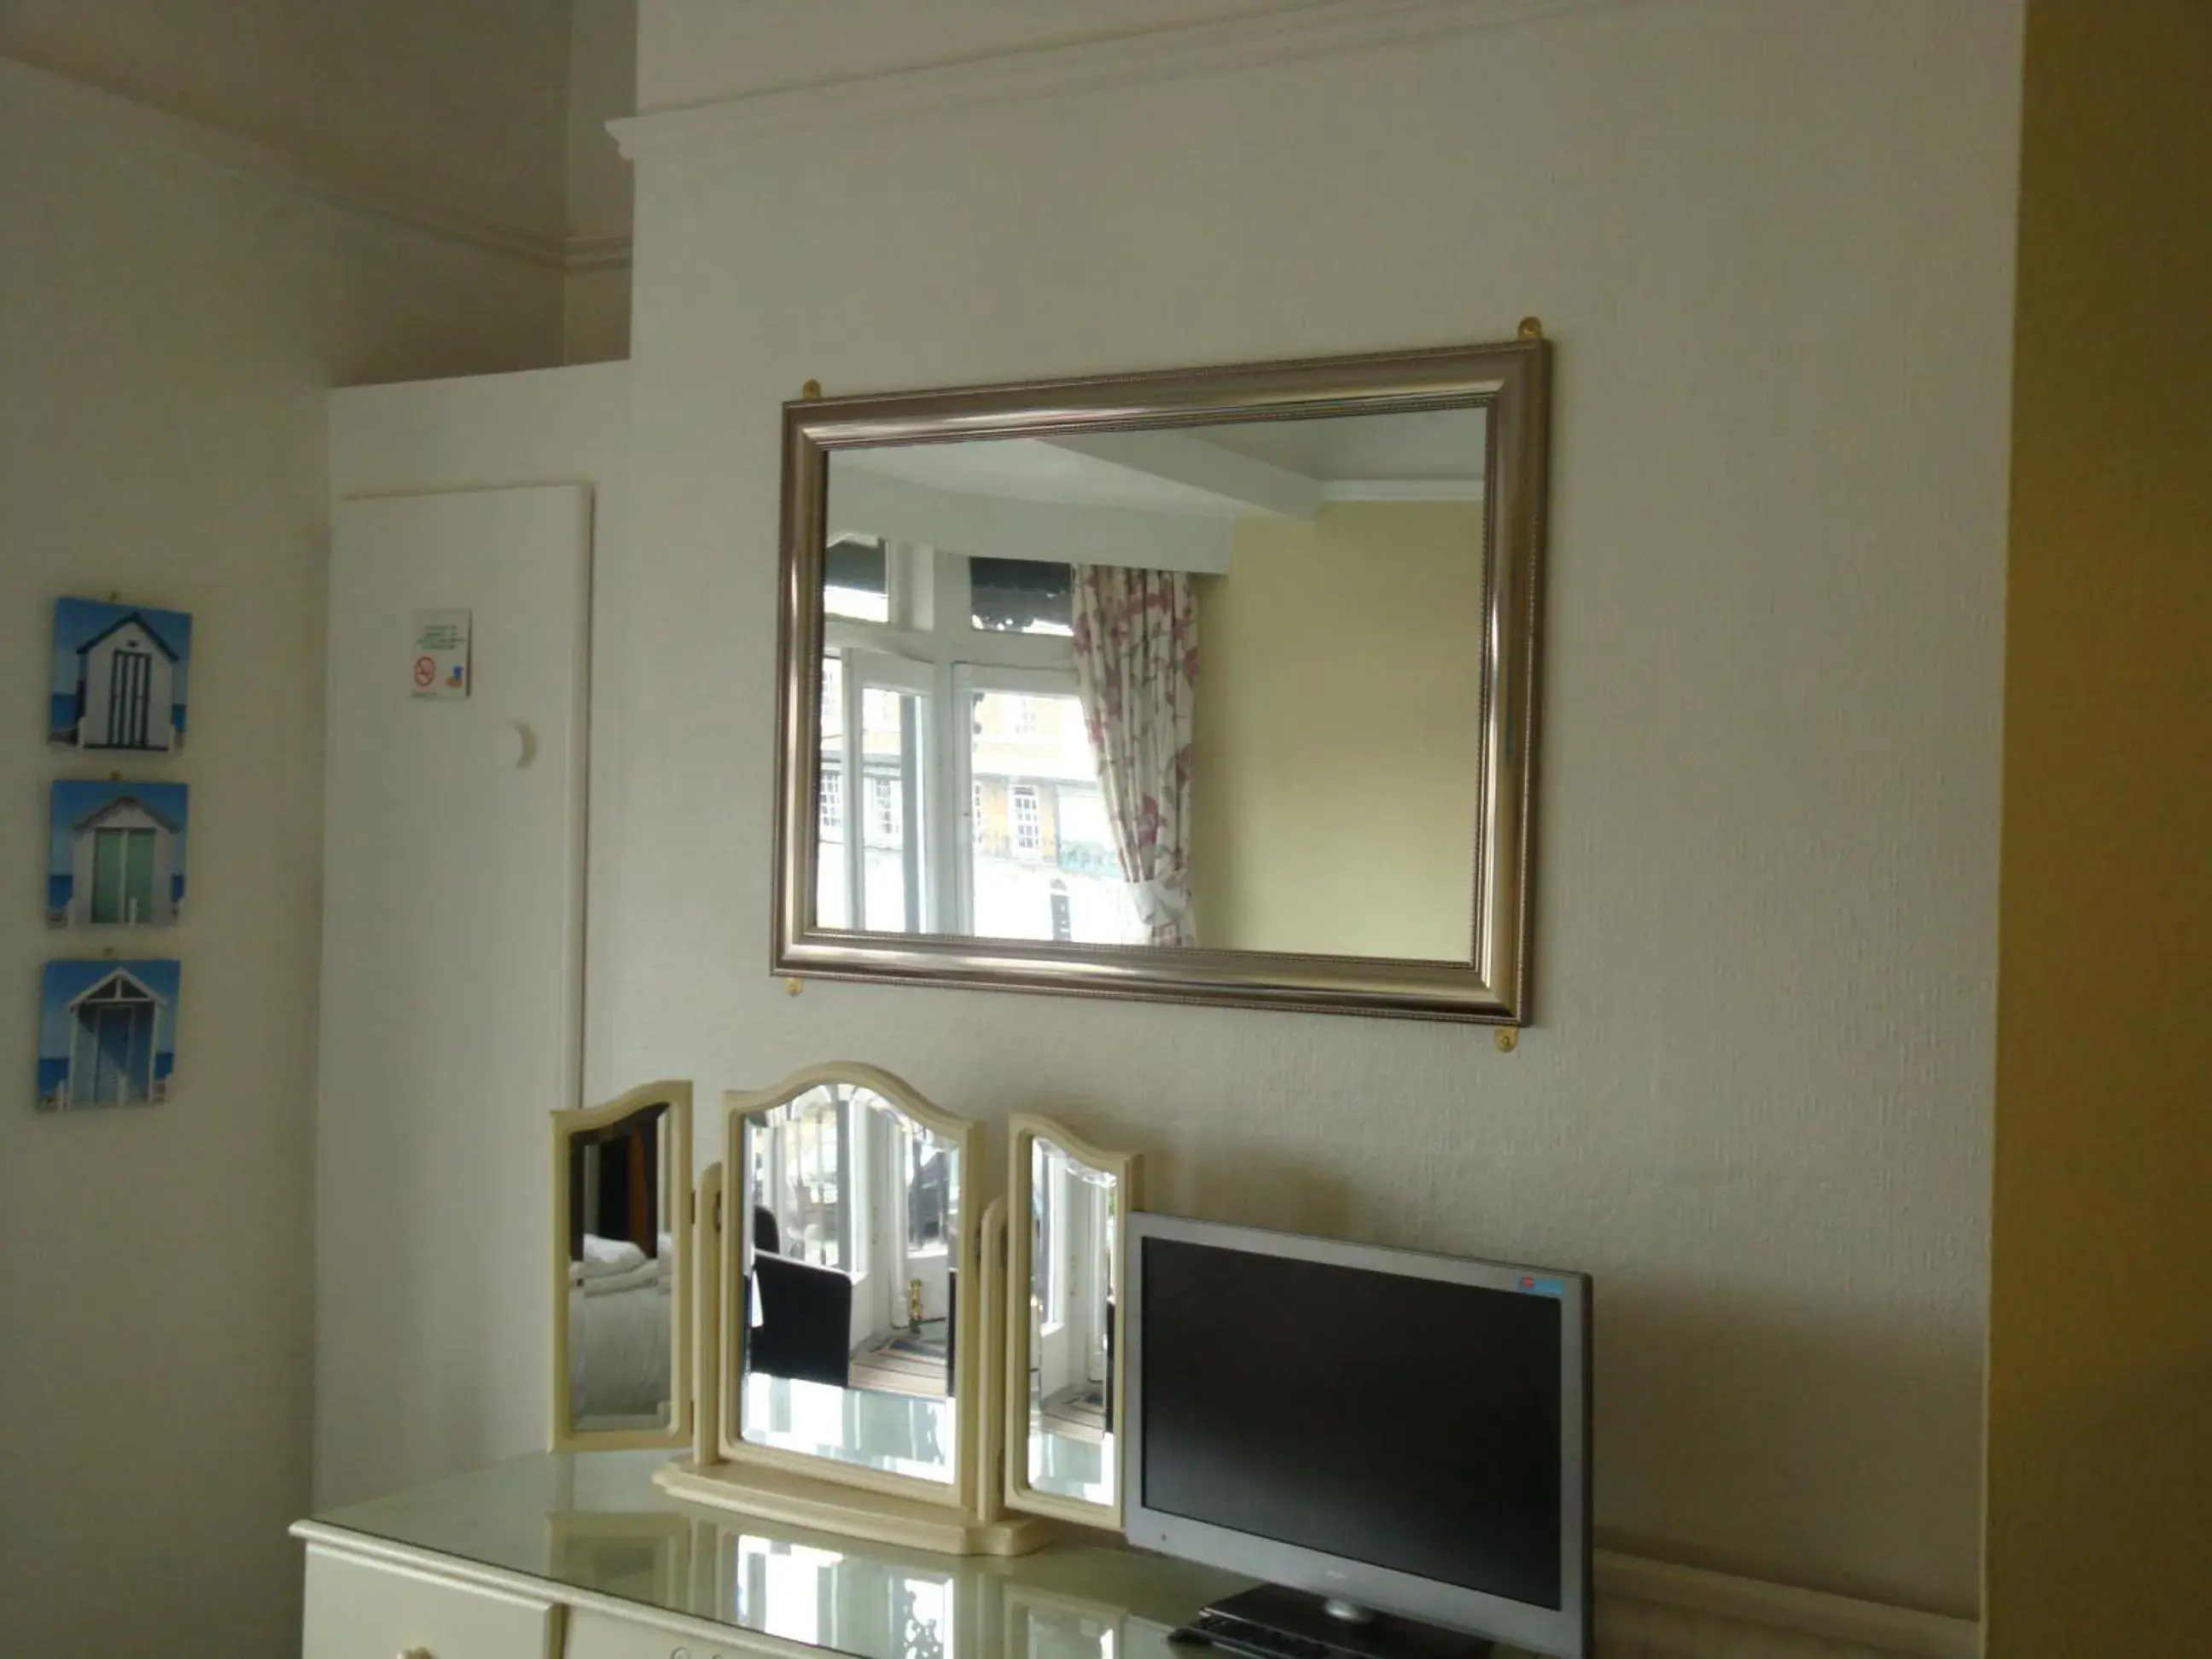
(877, 1352)
(1210, 685)
(622, 1231)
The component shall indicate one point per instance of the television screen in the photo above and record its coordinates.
(1407, 1422)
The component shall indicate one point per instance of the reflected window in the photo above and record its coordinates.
(1040, 868)
(1035, 856)
(873, 873)
(833, 871)
(1021, 596)
(928, 1197)
(883, 811)
(1045, 1231)
(856, 580)
(808, 1168)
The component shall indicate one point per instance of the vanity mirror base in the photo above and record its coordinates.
(795, 1500)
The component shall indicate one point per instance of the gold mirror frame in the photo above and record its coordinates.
(963, 1491)
(1022, 1133)
(677, 1098)
(1511, 380)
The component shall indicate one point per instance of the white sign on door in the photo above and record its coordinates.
(439, 667)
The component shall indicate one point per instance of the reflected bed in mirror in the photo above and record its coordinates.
(622, 1176)
(1214, 685)
(843, 1314)
(1064, 1340)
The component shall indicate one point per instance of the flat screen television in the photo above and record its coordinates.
(1371, 1430)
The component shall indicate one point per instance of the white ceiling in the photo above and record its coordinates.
(1207, 471)
(1031, 470)
(1439, 443)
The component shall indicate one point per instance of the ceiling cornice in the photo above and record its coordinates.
(1315, 31)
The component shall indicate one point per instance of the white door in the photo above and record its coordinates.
(452, 935)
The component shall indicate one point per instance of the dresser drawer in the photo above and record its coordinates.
(594, 1635)
(360, 1610)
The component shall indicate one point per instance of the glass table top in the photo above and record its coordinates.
(594, 1521)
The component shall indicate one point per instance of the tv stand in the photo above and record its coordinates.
(1271, 1622)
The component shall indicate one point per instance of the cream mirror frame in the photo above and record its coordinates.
(1046, 1164)
(876, 1124)
(877, 472)
(596, 1288)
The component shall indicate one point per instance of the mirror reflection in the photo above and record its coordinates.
(1074, 1215)
(1215, 686)
(850, 1603)
(850, 1283)
(621, 1273)
(1055, 1631)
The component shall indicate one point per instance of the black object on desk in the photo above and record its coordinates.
(1270, 1622)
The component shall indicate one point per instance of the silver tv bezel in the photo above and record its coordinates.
(1567, 1631)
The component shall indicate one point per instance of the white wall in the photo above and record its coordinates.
(554, 426)
(1774, 244)
(166, 333)
(451, 982)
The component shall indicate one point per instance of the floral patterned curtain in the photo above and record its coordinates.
(1136, 666)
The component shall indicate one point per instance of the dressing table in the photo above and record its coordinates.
(579, 1555)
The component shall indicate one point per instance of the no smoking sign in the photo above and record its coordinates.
(440, 671)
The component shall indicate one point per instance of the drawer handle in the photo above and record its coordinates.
(417, 1653)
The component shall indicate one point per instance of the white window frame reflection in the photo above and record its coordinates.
(860, 672)
(845, 1151)
(1025, 812)
(928, 648)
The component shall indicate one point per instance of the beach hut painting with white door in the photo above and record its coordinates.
(108, 1034)
(119, 675)
(116, 853)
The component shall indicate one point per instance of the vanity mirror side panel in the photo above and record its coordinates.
(1065, 1355)
(621, 1250)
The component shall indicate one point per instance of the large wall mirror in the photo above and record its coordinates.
(622, 1230)
(1214, 685)
(849, 1286)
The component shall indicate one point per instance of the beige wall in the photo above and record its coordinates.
(1340, 716)
(1774, 244)
(166, 334)
(602, 86)
(460, 105)
(2100, 1316)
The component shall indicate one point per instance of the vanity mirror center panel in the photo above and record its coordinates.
(1215, 687)
(851, 1211)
